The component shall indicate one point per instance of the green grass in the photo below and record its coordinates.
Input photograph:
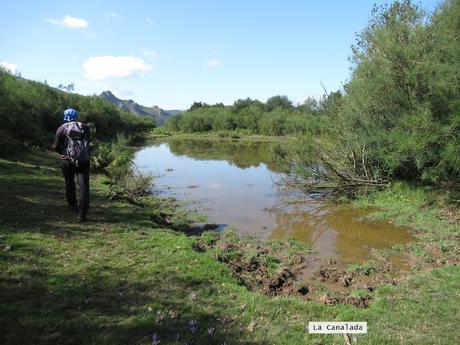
(366, 268)
(119, 278)
(429, 212)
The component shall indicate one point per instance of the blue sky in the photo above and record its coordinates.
(172, 53)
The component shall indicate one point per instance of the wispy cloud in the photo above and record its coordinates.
(214, 63)
(70, 22)
(100, 67)
(114, 15)
(149, 53)
(149, 20)
(11, 67)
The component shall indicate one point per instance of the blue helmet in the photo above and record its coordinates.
(70, 115)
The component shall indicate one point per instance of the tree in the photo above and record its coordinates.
(388, 95)
(198, 105)
(310, 105)
(331, 103)
(278, 102)
(398, 117)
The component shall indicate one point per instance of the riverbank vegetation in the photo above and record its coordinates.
(234, 134)
(276, 117)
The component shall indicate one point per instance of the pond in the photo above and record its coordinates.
(235, 183)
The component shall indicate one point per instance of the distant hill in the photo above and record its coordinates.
(174, 112)
(156, 113)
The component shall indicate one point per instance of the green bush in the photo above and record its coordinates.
(402, 102)
(276, 117)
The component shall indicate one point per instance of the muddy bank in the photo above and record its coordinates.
(288, 267)
(271, 268)
(277, 268)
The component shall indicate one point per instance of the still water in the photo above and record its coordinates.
(235, 184)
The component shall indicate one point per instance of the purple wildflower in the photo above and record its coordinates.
(155, 340)
(211, 330)
(193, 325)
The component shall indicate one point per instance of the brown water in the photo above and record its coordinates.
(234, 183)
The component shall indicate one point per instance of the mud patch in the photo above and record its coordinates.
(333, 299)
(271, 268)
(275, 268)
(284, 267)
(333, 275)
(366, 276)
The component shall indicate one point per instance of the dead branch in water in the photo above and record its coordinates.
(348, 172)
(332, 186)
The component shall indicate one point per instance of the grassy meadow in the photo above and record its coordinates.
(121, 279)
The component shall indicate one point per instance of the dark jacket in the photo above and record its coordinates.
(60, 142)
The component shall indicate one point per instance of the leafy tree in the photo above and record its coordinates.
(311, 105)
(398, 103)
(198, 105)
(250, 115)
(278, 102)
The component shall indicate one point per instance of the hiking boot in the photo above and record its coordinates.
(82, 218)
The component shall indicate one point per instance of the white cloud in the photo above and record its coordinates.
(149, 53)
(100, 67)
(70, 22)
(213, 63)
(149, 20)
(114, 15)
(11, 67)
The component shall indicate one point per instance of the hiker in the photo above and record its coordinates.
(72, 143)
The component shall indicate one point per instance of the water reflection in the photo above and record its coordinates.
(337, 231)
(233, 183)
(242, 154)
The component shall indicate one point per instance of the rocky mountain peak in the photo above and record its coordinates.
(156, 113)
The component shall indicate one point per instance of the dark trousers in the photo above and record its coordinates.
(82, 171)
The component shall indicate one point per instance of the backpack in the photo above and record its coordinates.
(77, 145)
